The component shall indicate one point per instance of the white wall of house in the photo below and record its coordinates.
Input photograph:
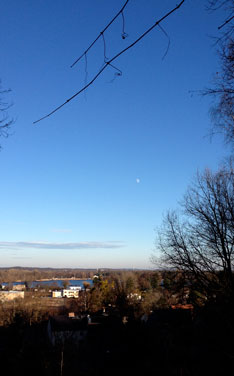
(68, 293)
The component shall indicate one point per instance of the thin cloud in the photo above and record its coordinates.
(57, 245)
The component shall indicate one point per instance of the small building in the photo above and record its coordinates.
(56, 294)
(11, 295)
(75, 287)
(64, 329)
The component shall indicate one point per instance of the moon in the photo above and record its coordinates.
(138, 180)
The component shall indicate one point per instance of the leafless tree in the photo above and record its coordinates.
(222, 110)
(222, 89)
(201, 243)
(5, 120)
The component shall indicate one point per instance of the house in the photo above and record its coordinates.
(67, 329)
(56, 294)
(75, 287)
(69, 293)
(19, 287)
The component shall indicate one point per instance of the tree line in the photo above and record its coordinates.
(31, 274)
(197, 239)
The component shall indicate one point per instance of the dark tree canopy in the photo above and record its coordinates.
(201, 243)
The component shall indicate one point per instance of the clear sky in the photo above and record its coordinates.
(87, 186)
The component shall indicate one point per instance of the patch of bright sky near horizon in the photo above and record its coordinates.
(88, 186)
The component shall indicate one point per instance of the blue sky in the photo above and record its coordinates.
(87, 186)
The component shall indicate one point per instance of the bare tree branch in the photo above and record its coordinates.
(226, 22)
(5, 121)
(101, 33)
(107, 63)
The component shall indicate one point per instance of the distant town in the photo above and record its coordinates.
(83, 321)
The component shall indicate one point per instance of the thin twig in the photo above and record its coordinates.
(86, 73)
(104, 47)
(95, 40)
(117, 74)
(124, 35)
(119, 71)
(111, 60)
(86, 69)
(169, 41)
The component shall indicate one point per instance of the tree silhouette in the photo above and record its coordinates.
(201, 243)
(5, 120)
(222, 90)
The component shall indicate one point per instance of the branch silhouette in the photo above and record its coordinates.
(101, 34)
(108, 63)
(226, 22)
